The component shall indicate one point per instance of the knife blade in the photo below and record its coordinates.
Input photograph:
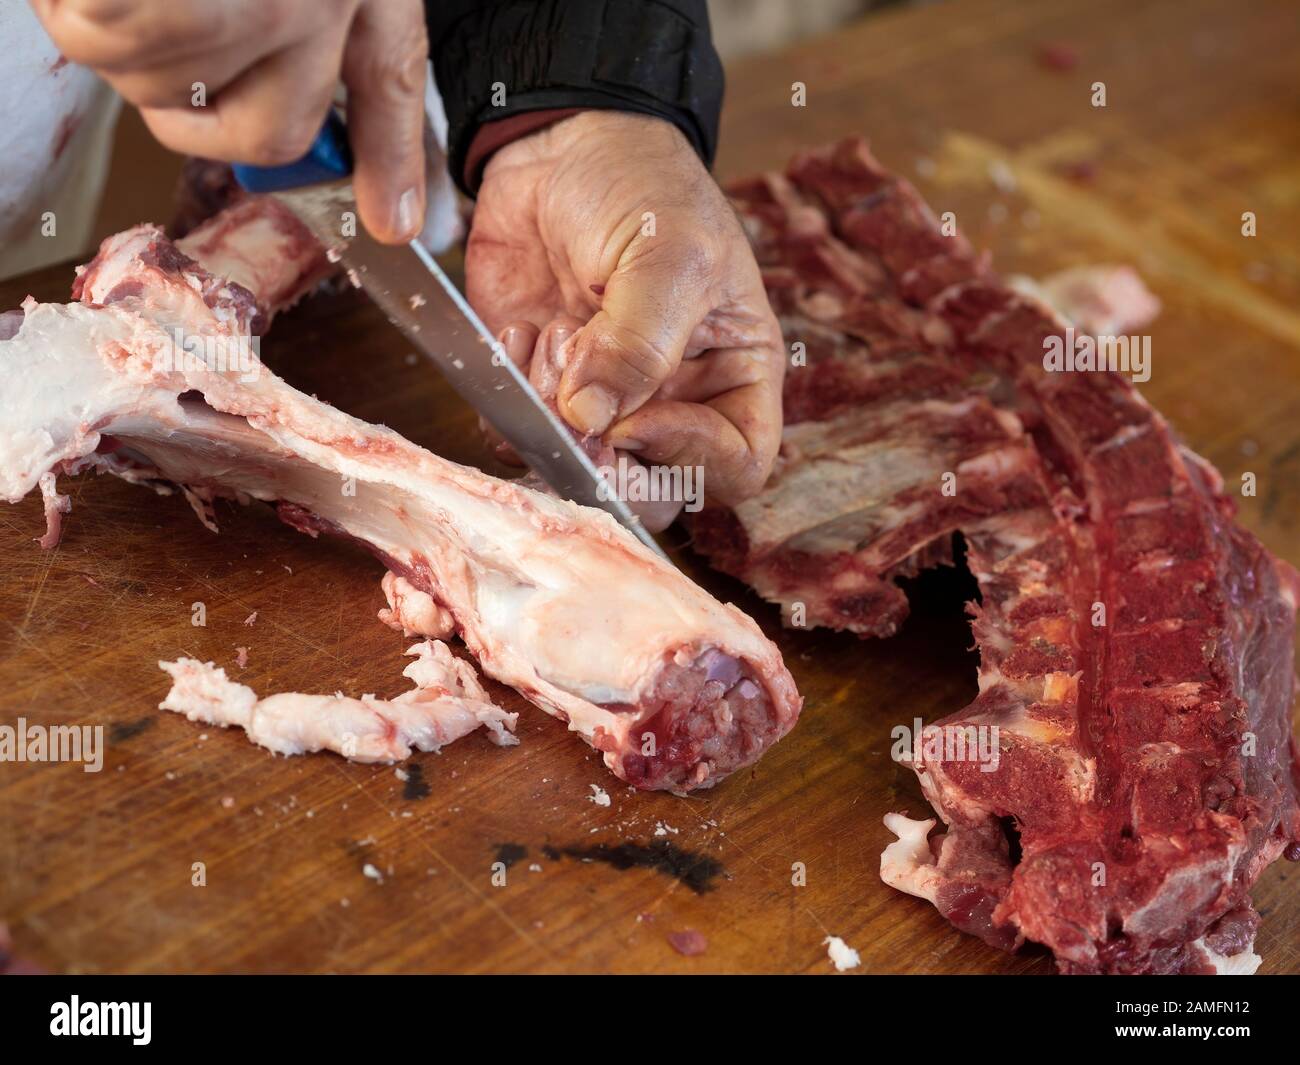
(416, 295)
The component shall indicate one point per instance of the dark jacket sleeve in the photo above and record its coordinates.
(497, 58)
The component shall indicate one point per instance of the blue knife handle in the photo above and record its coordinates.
(328, 159)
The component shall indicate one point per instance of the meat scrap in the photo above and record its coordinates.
(413, 612)
(1135, 643)
(10, 965)
(1098, 300)
(675, 689)
(842, 956)
(447, 702)
(55, 507)
(689, 942)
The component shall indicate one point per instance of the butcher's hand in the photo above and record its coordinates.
(251, 80)
(611, 220)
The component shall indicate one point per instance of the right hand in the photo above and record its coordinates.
(269, 69)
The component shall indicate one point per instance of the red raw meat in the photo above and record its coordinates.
(1123, 825)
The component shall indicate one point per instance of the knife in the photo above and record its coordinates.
(418, 297)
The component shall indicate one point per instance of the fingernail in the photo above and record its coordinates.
(593, 407)
(408, 208)
(512, 340)
(561, 354)
(624, 443)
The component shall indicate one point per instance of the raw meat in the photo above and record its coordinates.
(261, 246)
(413, 612)
(258, 259)
(1098, 300)
(1134, 642)
(447, 702)
(556, 600)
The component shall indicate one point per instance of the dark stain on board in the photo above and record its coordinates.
(122, 731)
(416, 786)
(358, 849)
(509, 853)
(697, 871)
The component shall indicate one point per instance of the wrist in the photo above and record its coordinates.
(492, 137)
(578, 133)
(651, 58)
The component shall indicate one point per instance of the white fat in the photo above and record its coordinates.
(998, 462)
(1183, 890)
(908, 864)
(1243, 964)
(1101, 300)
(1287, 591)
(202, 692)
(413, 612)
(855, 470)
(1123, 437)
(446, 703)
(1061, 687)
(842, 956)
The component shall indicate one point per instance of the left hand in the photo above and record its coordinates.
(611, 218)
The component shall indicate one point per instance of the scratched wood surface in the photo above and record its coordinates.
(96, 869)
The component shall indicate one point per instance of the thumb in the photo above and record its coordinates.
(384, 67)
(656, 296)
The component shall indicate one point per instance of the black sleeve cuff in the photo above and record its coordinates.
(654, 57)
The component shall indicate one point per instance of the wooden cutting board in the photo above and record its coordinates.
(97, 870)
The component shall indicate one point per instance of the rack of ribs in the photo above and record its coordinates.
(555, 600)
(1135, 643)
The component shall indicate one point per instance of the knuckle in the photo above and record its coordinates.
(151, 93)
(397, 73)
(747, 478)
(93, 12)
(282, 142)
(696, 255)
(752, 456)
(116, 34)
(109, 35)
(640, 359)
